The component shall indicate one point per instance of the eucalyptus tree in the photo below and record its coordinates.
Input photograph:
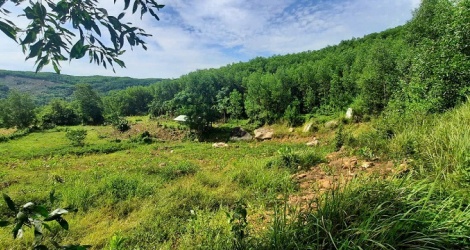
(69, 29)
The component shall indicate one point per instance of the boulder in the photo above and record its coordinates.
(239, 134)
(264, 134)
(307, 127)
(331, 124)
(349, 114)
(220, 145)
(313, 143)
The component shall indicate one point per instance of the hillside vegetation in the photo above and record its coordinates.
(395, 175)
(44, 87)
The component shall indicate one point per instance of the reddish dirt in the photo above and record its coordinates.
(338, 170)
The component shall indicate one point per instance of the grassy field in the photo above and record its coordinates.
(174, 193)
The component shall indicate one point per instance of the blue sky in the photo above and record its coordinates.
(199, 34)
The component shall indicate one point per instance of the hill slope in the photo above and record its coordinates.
(46, 86)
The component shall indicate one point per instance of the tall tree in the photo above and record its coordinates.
(89, 104)
(17, 110)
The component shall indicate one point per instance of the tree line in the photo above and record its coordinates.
(421, 66)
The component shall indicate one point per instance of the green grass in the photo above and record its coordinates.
(180, 195)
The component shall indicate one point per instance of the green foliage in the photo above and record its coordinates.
(89, 104)
(36, 216)
(238, 222)
(395, 214)
(174, 171)
(339, 137)
(144, 138)
(17, 110)
(49, 41)
(295, 160)
(76, 137)
(57, 112)
(292, 115)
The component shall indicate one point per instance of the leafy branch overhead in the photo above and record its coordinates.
(49, 37)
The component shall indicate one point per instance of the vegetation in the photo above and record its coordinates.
(395, 176)
(50, 41)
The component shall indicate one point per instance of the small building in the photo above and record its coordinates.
(181, 118)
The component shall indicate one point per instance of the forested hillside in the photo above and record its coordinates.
(43, 87)
(423, 65)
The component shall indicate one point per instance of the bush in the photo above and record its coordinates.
(292, 116)
(144, 138)
(77, 137)
(122, 125)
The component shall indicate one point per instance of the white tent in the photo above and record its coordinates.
(181, 118)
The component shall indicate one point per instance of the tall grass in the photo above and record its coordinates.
(385, 214)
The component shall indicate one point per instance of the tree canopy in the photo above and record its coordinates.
(69, 29)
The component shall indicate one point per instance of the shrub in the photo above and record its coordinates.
(292, 116)
(144, 138)
(77, 137)
(122, 125)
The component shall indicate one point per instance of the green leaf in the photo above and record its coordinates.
(52, 198)
(63, 223)
(54, 215)
(154, 15)
(28, 11)
(40, 247)
(17, 232)
(10, 203)
(126, 4)
(9, 30)
(121, 15)
(30, 37)
(134, 8)
(35, 49)
(37, 229)
(119, 62)
(76, 51)
(40, 209)
(56, 68)
(42, 61)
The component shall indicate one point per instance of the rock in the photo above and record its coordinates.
(220, 145)
(331, 124)
(264, 134)
(350, 164)
(349, 114)
(239, 134)
(315, 142)
(291, 130)
(367, 164)
(307, 127)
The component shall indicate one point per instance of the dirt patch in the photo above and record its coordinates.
(157, 131)
(338, 170)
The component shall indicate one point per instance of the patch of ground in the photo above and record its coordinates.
(7, 131)
(338, 170)
(156, 130)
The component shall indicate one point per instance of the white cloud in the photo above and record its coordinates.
(211, 33)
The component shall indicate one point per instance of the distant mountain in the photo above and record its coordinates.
(45, 86)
